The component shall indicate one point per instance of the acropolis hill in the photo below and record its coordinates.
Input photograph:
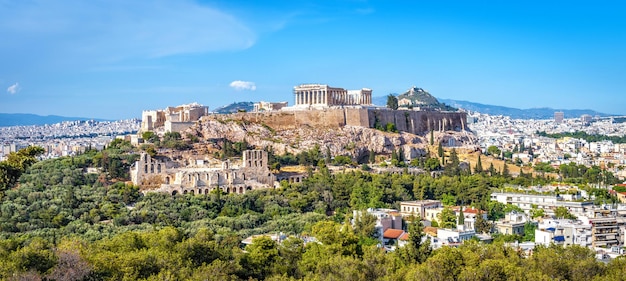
(414, 122)
(318, 106)
(330, 117)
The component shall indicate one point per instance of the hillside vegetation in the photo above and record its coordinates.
(61, 222)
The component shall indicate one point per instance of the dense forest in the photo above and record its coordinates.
(62, 221)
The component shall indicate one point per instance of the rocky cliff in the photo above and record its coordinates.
(356, 141)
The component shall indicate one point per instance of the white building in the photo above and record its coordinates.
(546, 202)
(418, 208)
(385, 219)
(172, 119)
(455, 236)
(268, 106)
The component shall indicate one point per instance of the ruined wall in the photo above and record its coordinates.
(415, 122)
(177, 126)
(418, 122)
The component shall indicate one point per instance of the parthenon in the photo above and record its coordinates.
(324, 95)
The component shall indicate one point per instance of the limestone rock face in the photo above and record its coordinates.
(347, 140)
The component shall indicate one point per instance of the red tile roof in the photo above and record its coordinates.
(430, 230)
(404, 237)
(393, 233)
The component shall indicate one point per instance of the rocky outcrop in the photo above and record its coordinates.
(356, 141)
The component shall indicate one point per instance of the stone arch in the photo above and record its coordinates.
(206, 191)
(167, 180)
(185, 192)
(248, 188)
(174, 192)
(241, 189)
(191, 191)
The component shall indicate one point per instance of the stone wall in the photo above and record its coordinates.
(418, 122)
(415, 122)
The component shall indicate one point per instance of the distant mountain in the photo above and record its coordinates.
(25, 119)
(516, 113)
(531, 113)
(234, 107)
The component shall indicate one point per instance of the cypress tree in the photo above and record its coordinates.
(505, 171)
(479, 166)
(492, 170)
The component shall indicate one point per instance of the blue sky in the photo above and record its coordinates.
(112, 59)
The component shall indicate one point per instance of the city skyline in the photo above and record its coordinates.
(114, 59)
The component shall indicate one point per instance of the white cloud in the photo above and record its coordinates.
(13, 89)
(243, 85)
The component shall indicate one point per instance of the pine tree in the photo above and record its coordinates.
(492, 170)
(400, 154)
(372, 157)
(454, 158)
(328, 156)
(505, 171)
(416, 251)
(440, 150)
(479, 166)
(394, 154)
(452, 168)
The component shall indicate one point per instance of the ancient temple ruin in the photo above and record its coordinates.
(160, 174)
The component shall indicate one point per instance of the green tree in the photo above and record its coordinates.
(563, 213)
(479, 166)
(461, 219)
(432, 164)
(447, 218)
(392, 102)
(147, 135)
(482, 225)
(417, 249)
(448, 199)
(391, 127)
(495, 210)
(529, 231)
(372, 157)
(492, 170)
(261, 256)
(493, 151)
(16, 163)
(440, 150)
(536, 213)
(365, 225)
(505, 171)
(452, 167)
